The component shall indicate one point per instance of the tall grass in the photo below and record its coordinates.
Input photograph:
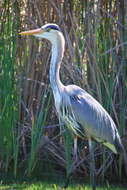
(8, 89)
(48, 186)
(37, 130)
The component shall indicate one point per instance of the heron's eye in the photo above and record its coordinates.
(48, 29)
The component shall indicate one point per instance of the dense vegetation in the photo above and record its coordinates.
(95, 59)
(45, 186)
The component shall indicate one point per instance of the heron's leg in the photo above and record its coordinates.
(67, 180)
(92, 165)
(75, 149)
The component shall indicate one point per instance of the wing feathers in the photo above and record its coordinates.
(93, 118)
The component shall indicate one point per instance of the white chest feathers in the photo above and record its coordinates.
(58, 100)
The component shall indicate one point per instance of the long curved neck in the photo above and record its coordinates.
(56, 58)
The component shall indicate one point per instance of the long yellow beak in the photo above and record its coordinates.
(32, 32)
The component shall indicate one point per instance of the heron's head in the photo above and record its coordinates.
(48, 31)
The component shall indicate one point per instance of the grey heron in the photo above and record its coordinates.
(84, 115)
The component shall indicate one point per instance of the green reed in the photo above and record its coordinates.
(8, 88)
(37, 130)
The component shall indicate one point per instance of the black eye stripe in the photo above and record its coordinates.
(54, 27)
(48, 29)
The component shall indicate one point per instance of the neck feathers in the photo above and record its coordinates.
(57, 55)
